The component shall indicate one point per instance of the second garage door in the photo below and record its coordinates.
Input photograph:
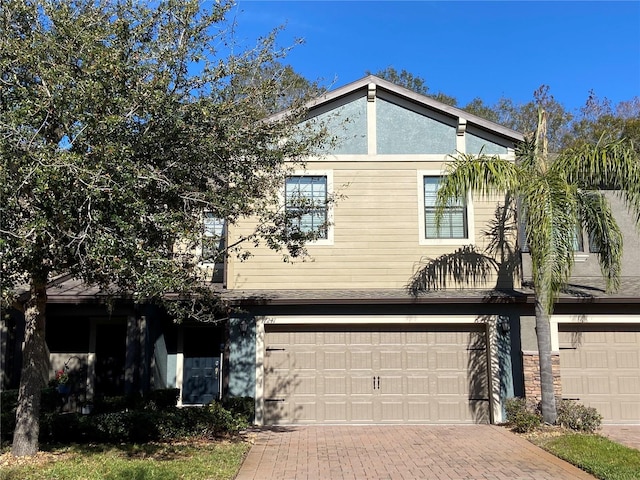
(391, 374)
(600, 367)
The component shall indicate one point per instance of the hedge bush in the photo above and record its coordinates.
(153, 417)
(578, 417)
(522, 416)
(244, 406)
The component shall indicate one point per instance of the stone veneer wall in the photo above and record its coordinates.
(531, 370)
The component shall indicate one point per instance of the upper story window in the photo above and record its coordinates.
(306, 203)
(454, 223)
(213, 241)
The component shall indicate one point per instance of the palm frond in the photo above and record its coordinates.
(604, 235)
(484, 175)
(551, 218)
(610, 165)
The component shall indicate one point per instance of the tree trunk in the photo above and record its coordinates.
(543, 335)
(35, 365)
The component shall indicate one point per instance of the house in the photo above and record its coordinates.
(338, 337)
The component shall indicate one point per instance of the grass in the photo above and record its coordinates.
(180, 461)
(594, 454)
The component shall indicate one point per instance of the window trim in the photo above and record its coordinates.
(330, 213)
(470, 238)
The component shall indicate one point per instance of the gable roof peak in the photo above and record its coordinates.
(414, 97)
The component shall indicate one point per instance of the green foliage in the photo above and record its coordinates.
(8, 404)
(597, 455)
(522, 415)
(243, 406)
(141, 425)
(414, 83)
(113, 147)
(162, 399)
(578, 417)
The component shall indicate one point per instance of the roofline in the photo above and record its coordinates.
(418, 98)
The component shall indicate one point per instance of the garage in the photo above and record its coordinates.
(600, 367)
(359, 374)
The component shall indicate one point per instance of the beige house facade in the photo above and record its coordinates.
(338, 337)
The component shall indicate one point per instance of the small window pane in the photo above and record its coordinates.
(454, 220)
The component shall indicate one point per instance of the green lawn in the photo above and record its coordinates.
(595, 454)
(183, 461)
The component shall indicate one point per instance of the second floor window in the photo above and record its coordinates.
(306, 203)
(453, 224)
(212, 238)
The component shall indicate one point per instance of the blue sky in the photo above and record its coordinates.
(463, 49)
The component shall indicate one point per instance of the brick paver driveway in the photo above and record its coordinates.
(400, 453)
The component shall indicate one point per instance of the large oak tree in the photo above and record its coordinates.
(121, 123)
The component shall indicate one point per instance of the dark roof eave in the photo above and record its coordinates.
(422, 300)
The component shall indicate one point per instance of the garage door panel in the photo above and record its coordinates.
(600, 367)
(305, 360)
(630, 411)
(629, 385)
(335, 385)
(360, 360)
(361, 411)
(391, 385)
(305, 412)
(417, 360)
(418, 385)
(277, 411)
(335, 411)
(391, 411)
(390, 360)
(627, 359)
(362, 384)
(335, 360)
(597, 359)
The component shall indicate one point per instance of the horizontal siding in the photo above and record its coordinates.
(376, 234)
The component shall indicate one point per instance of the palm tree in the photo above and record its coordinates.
(557, 195)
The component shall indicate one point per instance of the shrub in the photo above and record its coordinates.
(522, 415)
(162, 399)
(578, 417)
(226, 421)
(8, 402)
(243, 406)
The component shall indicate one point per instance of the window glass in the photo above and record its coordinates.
(454, 219)
(306, 203)
(212, 237)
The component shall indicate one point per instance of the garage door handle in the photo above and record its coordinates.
(374, 383)
(269, 349)
(274, 399)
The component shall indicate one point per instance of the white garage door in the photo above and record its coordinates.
(375, 375)
(600, 367)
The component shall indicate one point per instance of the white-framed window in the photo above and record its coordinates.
(213, 237)
(456, 225)
(306, 201)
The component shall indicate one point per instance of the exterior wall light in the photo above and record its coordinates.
(504, 324)
(244, 326)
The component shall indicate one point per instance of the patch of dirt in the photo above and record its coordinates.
(543, 434)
